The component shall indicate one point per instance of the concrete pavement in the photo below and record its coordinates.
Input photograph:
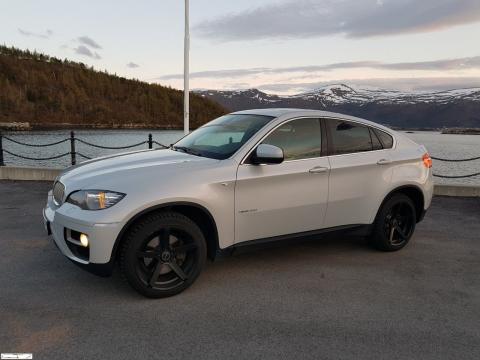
(327, 299)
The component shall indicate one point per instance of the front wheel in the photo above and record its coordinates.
(394, 224)
(163, 254)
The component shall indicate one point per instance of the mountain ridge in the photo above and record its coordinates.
(415, 109)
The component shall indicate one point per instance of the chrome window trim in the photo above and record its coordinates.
(320, 118)
(360, 152)
(367, 125)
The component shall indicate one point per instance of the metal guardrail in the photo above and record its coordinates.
(73, 153)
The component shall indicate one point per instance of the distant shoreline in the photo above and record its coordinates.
(25, 126)
(462, 131)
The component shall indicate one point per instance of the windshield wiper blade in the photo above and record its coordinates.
(186, 150)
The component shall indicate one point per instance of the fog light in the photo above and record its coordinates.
(84, 240)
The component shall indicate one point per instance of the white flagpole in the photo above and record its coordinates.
(186, 72)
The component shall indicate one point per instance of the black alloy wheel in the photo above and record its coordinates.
(163, 254)
(394, 224)
(399, 224)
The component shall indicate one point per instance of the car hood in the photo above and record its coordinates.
(119, 168)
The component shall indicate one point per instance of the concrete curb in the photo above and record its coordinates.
(457, 190)
(27, 173)
(46, 174)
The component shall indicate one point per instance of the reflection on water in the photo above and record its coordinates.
(439, 145)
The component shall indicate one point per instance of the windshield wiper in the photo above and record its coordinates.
(186, 150)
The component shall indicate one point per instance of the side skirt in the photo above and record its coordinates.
(352, 230)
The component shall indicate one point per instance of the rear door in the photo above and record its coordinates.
(360, 173)
(286, 198)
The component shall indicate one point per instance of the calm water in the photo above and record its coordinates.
(100, 137)
(444, 146)
(449, 146)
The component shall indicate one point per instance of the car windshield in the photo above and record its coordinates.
(222, 137)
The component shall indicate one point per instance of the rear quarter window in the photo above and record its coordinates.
(376, 144)
(386, 139)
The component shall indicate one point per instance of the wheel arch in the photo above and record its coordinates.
(197, 213)
(414, 192)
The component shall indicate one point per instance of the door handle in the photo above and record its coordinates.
(318, 170)
(384, 162)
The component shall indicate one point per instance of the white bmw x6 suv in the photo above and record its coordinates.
(245, 178)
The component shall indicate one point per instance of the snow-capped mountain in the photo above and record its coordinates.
(339, 94)
(420, 109)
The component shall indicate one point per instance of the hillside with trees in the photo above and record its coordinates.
(48, 92)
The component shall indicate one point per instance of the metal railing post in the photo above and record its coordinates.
(1, 150)
(150, 141)
(72, 148)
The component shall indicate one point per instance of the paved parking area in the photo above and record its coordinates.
(327, 299)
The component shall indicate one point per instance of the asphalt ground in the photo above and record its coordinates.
(332, 298)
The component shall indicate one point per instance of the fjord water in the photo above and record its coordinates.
(448, 146)
(451, 146)
(109, 138)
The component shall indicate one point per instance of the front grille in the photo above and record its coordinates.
(58, 193)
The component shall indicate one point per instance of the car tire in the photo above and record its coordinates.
(394, 224)
(163, 254)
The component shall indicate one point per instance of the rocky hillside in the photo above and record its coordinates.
(435, 109)
(48, 92)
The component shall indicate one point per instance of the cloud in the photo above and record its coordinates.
(435, 65)
(350, 18)
(85, 51)
(218, 73)
(45, 35)
(132, 65)
(88, 41)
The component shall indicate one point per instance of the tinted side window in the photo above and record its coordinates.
(386, 139)
(349, 137)
(299, 139)
(376, 144)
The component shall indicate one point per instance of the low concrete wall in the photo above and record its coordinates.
(457, 190)
(26, 173)
(45, 174)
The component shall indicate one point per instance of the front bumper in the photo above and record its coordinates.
(102, 237)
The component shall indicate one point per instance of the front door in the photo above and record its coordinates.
(286, 198)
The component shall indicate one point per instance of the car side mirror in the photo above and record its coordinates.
(267, 154)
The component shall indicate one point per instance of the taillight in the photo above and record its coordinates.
(427, 160)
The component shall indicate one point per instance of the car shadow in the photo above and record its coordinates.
(272, 258)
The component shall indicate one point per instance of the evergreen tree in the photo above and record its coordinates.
(43, 90)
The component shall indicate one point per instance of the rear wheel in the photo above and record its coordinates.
(163, 254)
(395, 223)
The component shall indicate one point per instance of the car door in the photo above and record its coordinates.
(286, 198)
(360, 173)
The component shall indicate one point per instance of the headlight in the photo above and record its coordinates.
(94, 199)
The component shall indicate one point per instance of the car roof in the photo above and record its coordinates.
(276, 112)
(292, 112)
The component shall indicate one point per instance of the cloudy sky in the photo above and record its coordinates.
(278, 46)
